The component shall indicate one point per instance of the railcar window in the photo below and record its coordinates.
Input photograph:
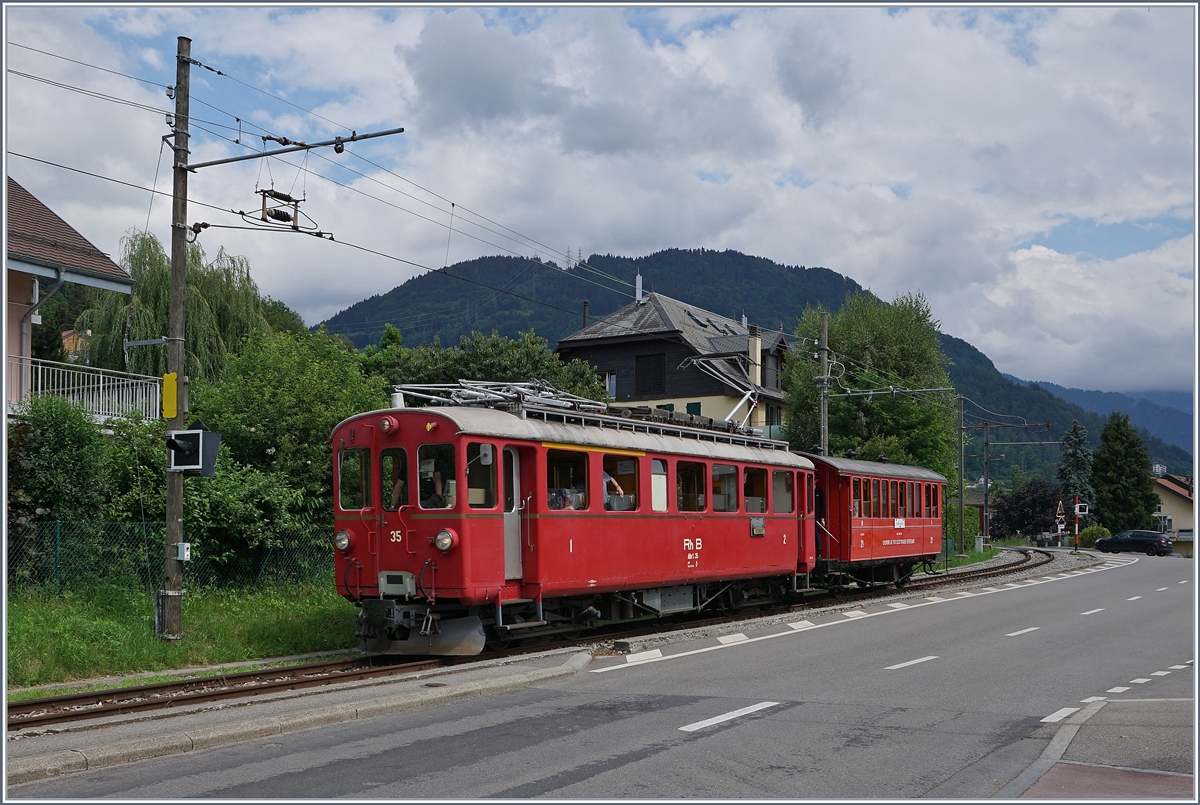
(481, 475)
(783, 492)
(566, 479)
(393, 475)
(689, 486)
(620, 483)
(754, 488)
(856, 496)
(875, 496)
(436, 479)
(354, 479)
(893, 499)
(811, 495)
(937, 490)
(658, 485)
(928, 500)
(724, 488)
(903, 506)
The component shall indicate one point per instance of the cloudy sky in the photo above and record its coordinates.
(1031, 171)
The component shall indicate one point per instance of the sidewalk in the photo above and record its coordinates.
(1125, 749)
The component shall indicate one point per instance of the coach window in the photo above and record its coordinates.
(754, 487)
(936, 492)
(783, 494)
(658, 485)
(928, 500)
(435, 476)
(354, 479)
(856, 485)
(393, 477)
(566, 479)
(810, 494)
(689, 486)
(620, 483)
(903, 506)
(895, 507)
(481, 475)
(724, 488)
(875, 496)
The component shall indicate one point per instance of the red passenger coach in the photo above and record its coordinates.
(876, 521)
(506, 511)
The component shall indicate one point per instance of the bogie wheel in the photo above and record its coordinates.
(1151, 551)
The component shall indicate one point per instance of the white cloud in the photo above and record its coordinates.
(909, 151)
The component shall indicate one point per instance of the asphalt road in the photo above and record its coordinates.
(942, 699)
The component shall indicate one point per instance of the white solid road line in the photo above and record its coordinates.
(1023, 631)
(708, 722)
(1059, 715)
(910, 662)
(1092, 611)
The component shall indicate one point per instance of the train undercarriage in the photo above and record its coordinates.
(394, 626)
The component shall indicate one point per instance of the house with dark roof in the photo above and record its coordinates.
(658, 351)
(44, 253)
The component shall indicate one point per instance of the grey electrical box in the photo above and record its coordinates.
(1081, 508)
(183, 551)
(192, 452)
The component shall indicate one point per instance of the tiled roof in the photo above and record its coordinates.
(1179, 484)
(37, 235)
(705, 332)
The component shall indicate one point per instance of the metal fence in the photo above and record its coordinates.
(64, 556)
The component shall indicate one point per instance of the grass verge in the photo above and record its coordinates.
(101, 631)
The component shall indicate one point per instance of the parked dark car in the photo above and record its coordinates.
(1147, 542)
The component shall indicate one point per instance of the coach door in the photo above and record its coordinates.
(512, 514)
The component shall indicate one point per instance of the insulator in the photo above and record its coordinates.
(279, 195)
(279, 215)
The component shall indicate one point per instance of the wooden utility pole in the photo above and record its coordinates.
(823, 383)
(170, 607)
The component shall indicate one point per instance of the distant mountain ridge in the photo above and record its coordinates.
(1169, 424)
(529, 295)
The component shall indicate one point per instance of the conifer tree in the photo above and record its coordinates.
(1075, 472)
(1125, 497)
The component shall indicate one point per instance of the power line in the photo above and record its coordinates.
(93, 66)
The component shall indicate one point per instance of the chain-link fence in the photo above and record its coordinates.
(61, 556)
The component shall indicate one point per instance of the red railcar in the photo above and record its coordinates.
(876, 521)
(507, 512)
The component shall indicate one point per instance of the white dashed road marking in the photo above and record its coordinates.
(1136, 597)
(898, 606)
(1091, 699)
(1116, 690)
(1059, 715)
(1160, 589)
(1141, 680)
(652, 654)
(1177, 667)
(731, 638)
(1023, 631)
(1092, 611)
(855, 613)
(801, 625)
(708, 722)
(1160, 673)
(910, 662)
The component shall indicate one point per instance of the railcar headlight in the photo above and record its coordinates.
(445, 540)
(341, 540)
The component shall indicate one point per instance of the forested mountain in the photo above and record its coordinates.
(547, 299)
(1169, 424)
(454, 302)
(976, 377)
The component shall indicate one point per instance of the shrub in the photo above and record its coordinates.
(1089, 535)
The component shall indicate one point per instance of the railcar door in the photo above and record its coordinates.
(512, 514)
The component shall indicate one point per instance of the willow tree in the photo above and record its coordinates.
(222, 302)
(876, 346)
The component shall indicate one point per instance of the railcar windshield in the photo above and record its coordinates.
(481, 475)
(393, 474)
(354, 478)
(436, 478)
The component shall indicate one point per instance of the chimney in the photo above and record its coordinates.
(755, 350)
(585, 312)
(639, 288)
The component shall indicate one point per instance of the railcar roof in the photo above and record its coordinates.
(618, 434)
(858, 467)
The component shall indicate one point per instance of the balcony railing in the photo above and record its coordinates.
(101, 392)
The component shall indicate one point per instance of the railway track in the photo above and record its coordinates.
(122, 701)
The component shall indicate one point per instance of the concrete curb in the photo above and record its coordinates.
(1051, 754)
(24, 770)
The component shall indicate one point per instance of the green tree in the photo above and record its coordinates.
(222, 301)
(1121, 476)
(480, 357)
(55, 467)
(875, 345)
(134, 457)
(281, 318)
(1075, 472)
(277, 403)
(1028, 509)
(239, 509)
